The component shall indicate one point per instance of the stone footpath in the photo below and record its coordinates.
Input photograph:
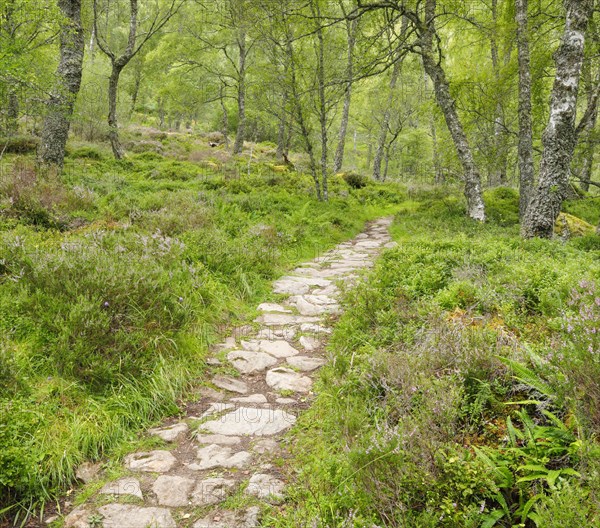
(222, 464)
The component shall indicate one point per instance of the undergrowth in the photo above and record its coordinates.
(114, 279)
(462, 389)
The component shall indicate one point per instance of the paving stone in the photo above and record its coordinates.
(268, 445)
(273, 307)
(307, 308)
(285, 379)
(320, 299)
(265, 486)
(306, 363)
(309, 343)
(216, 408)
(171, 432)
(229, 519)
(330, 290)
(273, 332)
(124, 486)
(290, 287)
(213, 362)
(251, 421)
(171, 490)
(391, 245)
(217, 439)
(87, 471)
(279, 348)
(152, 461)
(227, 344)
(214, 456)
(285, 401)
(78, 518)
(230, 384)
(315, 329)
(128, 516)
(211, 491)
(368, 244)
(247, 362)
(254, 398)
(275, 319)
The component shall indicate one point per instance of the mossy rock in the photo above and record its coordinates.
(568, 225)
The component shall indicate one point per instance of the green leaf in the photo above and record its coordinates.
(492, 518)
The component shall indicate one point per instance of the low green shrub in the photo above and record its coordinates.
(19, 144)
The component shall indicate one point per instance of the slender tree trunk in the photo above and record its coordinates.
(560, 136)
(588, 124)
(225, 122)
(588, 159)
(499, 158)
(385, 123)
(351, 28)
(12, 112)
(136, 90)
(69, 72)
(238, 146)
(300, 119)
(433, 68)
(281, 132)
(322, 106)
(525, 149)
(439, 176)
(113, 125)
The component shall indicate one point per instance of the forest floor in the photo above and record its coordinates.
(225, 457)
(461, 383)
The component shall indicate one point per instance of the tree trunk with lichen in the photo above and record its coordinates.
(525, 148)
(62, 101)
(441, 86)
(560, 136)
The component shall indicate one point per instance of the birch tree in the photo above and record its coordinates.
(68, 82)
(560, 136)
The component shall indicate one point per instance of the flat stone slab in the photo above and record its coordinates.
(152, 461)
(306, 363)
(125, 486)
(309, 343)
(315, 329)
(286, 401)
(172, 490)
(217, 439)
(268, 445)
(230, 384)
(273, 307)
(285, 379)
(125, 515)
(290, 287)
(265, 486)
(307, 308)
(214, 456)
(369, 244)
(276, 319)
(247, 362)
(216, 408)
(253, 398)
(78, 518)
(171, 432)
(88, 471)
(211, 491)
(229, 519)
(278, 348)
(320, 299)
(273, 332)
(251, 421)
